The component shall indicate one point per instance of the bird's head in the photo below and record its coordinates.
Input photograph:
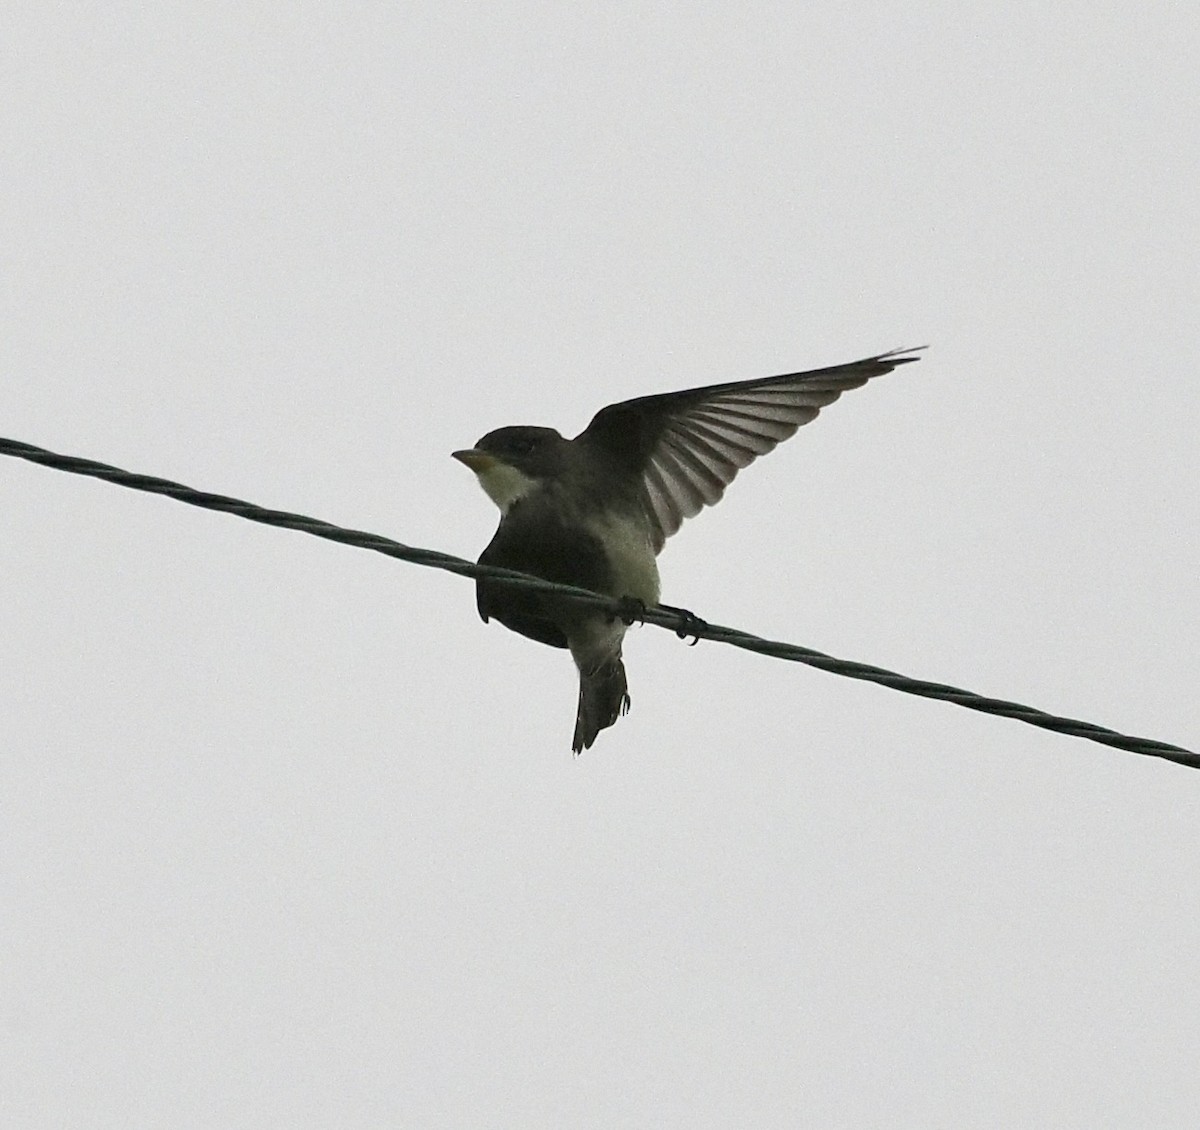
(510, 462)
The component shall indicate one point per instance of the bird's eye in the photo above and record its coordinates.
(521, 446)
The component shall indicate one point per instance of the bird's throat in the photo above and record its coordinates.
(504, 484)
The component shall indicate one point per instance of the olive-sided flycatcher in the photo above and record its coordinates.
(594, 511)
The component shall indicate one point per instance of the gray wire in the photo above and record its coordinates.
(678, 621)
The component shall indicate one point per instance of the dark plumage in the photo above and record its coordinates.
(594, 511)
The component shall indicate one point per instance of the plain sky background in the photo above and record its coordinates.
(288, 838)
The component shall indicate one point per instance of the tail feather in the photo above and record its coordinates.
(603, 698)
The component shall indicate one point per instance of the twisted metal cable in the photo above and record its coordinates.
(682, 623)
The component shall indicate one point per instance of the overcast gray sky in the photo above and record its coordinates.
(289, 838)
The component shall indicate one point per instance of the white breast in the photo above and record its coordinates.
(630, 554)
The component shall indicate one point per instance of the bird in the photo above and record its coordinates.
(596, 510)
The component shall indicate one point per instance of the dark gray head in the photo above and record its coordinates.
(510, 462)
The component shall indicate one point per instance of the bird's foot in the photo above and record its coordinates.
(630, 610)
(689, 623)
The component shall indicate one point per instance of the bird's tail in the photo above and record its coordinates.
(603, 698)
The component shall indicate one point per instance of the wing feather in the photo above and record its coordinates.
(687, 447)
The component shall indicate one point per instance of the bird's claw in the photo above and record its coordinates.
(630, 610)
(689, 623)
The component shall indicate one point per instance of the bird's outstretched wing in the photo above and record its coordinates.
(688, 446)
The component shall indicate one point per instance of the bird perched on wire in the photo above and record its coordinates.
(594, 511)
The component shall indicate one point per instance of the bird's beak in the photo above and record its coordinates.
(475, 459)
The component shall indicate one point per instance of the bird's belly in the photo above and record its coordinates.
(627, 546)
